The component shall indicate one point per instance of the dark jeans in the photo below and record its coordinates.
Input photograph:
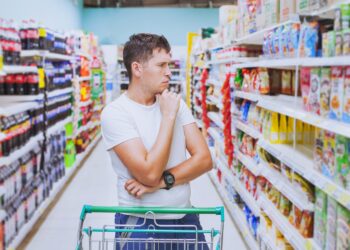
(137, 240)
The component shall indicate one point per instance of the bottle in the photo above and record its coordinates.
(16, 40)
(2, 85)
(20, 84)
(10, 84)
(23, 35)
(32, 35)
(33, 83)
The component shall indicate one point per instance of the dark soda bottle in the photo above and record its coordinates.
(33, 83)
(32, 36)
(2, 85)
(23, 35)
(21, 84)
(10, 84)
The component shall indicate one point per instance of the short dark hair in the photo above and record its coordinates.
(140, 48)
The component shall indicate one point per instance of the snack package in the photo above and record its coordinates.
(345, 16)
(287, 172)
(274, 196)
(293, 40)
(329, 164)
(287, 8)
(331, 239)
(325, 92)
(287, 82)
(274, 130)
(305, 74)
(306, 134)
(320, 225)
(336, 93)
(325, 45)
(346, 96)
(309, 39)
(238, 79)
(305, 187)
(284, 41)
(275, 81)
(342, 161)
(346, 42)
(283, 131)
(264, 81)
(319, 145)
(295, 217)
(338, 43)
(285, 206)
(315, 86)
(290, 130)
(331, 43)
(306, 224)
(343, 228)
(299, 131)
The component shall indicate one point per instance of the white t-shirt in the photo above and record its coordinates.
(124, 119)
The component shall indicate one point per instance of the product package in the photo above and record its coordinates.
(325, 92)
(336, 93)
(287, 82)
(343, 228)
(302, 5)
(346, 96)
(315, 86)
(331, 239)
(304, 187)
(306, 224)
(318, 152)
(331, 43)
(329, 164)
(338, 43)
(342, 161)
(287, 8)
(305, 74)
(346, 42)
(320, 225)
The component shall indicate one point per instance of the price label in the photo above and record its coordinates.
(308, 245)
(41, 75)
(330, 189)
(344, 199)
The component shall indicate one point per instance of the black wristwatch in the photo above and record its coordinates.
(169, 179)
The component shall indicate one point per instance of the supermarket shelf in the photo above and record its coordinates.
(286, 188)
(87, 126)
(236, 214)
(216, 119)
(60, 92)
(84, 78)
(198, 109)
(324, 10)
(249, 163)
(83, 54)
(7, 109)
(245, 95)
(13, 69)
(246, 129)
(54, 192)
(59, 126)
(281, 222)
(269, 242)
(257, 37)
(21, 151)
(214, 100)
(46, 55)
(21, 98)
(215, 134)
(325, 61)
(247, 197)
(233, 60)
(303, 164)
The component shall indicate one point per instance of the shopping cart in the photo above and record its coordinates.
(107, 239)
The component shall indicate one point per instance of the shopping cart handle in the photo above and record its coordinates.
(157, 210)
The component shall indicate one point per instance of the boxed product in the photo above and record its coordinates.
(342, 161)
(336, 101)
(271, 9)
(346, 42)
(338, 43)
(320, 225)
(329, 164)
(331, 43)
(227, 13)
(315, 86)
(343, 228)
(287, 82)
(302, 5)
(319, 145)
(306, 224)
(331, 239)
(346, 96)
(287, 8)
(305, 74)
(325, 92)
(304, 187)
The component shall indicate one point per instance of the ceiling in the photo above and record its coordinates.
(157, 3)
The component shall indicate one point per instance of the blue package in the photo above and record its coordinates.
(310, 39)
(293, 40)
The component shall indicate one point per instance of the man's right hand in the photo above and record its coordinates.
(169, 104)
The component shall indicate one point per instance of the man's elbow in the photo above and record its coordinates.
(207, 162)
(150, 179)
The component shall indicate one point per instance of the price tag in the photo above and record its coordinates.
(41, 75)
(344, 199)
(308, 245)
(330, 189)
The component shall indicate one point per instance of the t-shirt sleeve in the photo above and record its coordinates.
(185, 114)
(117, 127)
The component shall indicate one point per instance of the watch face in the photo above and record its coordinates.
(169, 179)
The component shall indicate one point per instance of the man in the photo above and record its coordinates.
(147, 131)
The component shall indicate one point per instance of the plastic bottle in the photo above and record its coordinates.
(2, 85)
(21, 84)
(23, 35)
(32, 35)
(33, 83)
(10, 84)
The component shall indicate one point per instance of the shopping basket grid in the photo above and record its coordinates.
(107, 234)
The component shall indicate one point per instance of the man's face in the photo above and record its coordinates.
(156, 73)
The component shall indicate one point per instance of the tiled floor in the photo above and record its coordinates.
(95, 184)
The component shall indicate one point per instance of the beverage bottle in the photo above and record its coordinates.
(10, 84)
(32, 35)
(16, 43)
(5, 42)
(2, 85)
(21, 84)
(50, 39)
(33, 83)
(42, 37)
(23, 35)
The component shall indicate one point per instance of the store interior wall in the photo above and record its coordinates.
(56, 14)
(115, 25)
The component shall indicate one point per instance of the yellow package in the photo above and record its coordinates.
(306, 134)
(283, 133)
(299, 132)
(290, 130)
(274, 136)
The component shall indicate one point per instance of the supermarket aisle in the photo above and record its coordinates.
(94, 184)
